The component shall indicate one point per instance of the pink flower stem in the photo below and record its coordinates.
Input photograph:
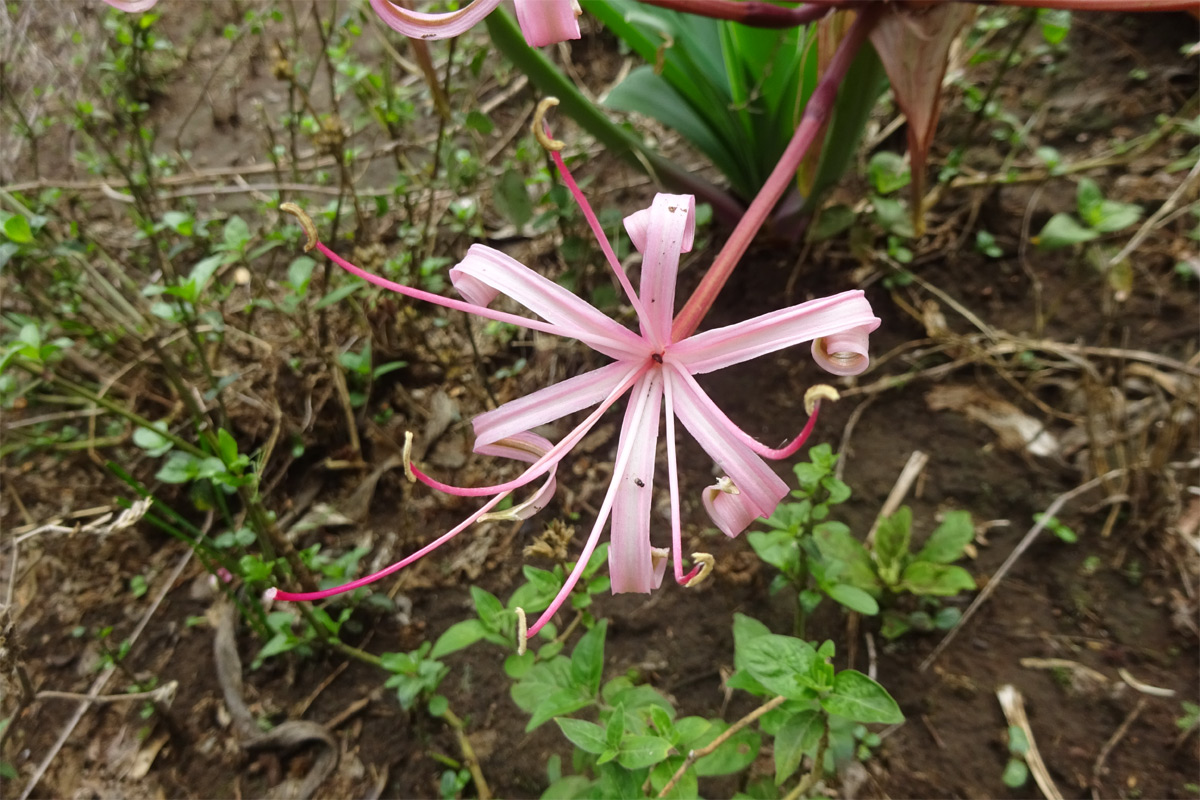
(816, 114)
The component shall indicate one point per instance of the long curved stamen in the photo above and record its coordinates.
(550, 459)
(758, 447)
(310, 231)
(592, 220)
(624, 453)
(401, 564)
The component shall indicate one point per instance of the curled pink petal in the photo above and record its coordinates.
(629, 557)
(132, 6)
(421, 25)
(729, 509)
(843, 353)
(486, 272)
(722, 347)
(548, 21)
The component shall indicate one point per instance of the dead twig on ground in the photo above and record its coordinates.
(1112, 742)
(1014, 712)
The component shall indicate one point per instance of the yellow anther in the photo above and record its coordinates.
(310, 228)
(817, 393)
(706, 562)
(407, 455)
(522, 631)
(538, 128)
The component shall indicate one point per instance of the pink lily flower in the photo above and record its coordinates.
(132, 6)
(657, 372)
(542, 21)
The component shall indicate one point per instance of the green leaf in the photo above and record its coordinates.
(891, 543)
(511, 198)
(686, 788)
(1016, 774)
(639, 752)
(457, 636)
(200, 276)
(227, 446)
(587, 660)
(923, 577)
(777, 662)
(152, 441)
(558, 704)
(1088, 200)
(857, 697)
(888, 172)
(734, 755)
(1018, 742)
(798, 736)
(947, 542)
(488, 607)
(833, 220)
(337, 295)
(17, 229)
(1062, 230)
(438, 705)
(846, 558)
(587, 736)
(1115, 216)
(853, 598)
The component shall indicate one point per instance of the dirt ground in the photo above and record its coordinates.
(1080, 629)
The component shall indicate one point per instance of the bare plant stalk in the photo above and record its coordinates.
(816, 114)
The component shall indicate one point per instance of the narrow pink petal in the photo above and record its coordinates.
(629, 558)
(732, 512)
(437, 299)
(843, 353)
(548, 404)
(132, 6)
(421, 25)
(544, 462)
(733, 344)
(719, 417)
(762, 488)
(486, 272)
(661, 233)
(673, 478)
(624, 454)
(547, 21)
(594, 223)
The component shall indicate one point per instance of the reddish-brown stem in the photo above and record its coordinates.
(816, 114)
(752, 12)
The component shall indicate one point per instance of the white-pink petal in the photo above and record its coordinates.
(661, 233)
(733, 344)
(630, 560)
(756, 481)
(843, 353)
(548, 21)
(132, 6)
(548, 404)
(730, 510)
(485, 272)
(527, 447)
(422, 25)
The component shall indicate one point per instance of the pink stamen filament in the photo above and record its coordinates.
(673, 484)
(594, 223)
(470, 308)
(772, 453)
(551, 457)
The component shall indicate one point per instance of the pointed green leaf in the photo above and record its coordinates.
(798, 736)
(922, 577)
(587, 660)
(587, 736)
(857, 697)
(457, 636)
(947, 542)
(777, 662)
